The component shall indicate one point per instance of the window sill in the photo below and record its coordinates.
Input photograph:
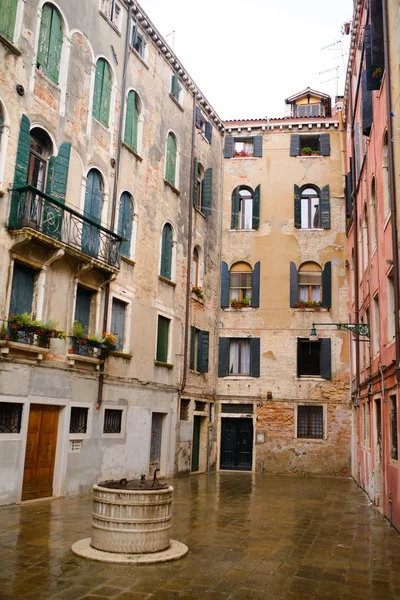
(105, 127)
(318, 440)
(136, 53)
(202, 134)
(242, 309)
(163, 364)
(196, 298)
(121, 354)
(55, 85)
(171, 185)
(238, 377)
(129, 261)
(247, 230)
(5, 346)
(111, 24)
(132, 151)
(195, 372)
(246, 157)
(167, 281)
(198, 210)
(311, 378)
(10, 45)
(311, 309)
(310, 229)
(179, 105)
(311, 156)
(72, 358)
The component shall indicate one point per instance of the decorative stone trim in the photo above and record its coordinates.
(179, 105)
(167, 281)
(5, 346)
(173, 188)
(132, 151)
(72, 358)
(162, 364)
(10, 45)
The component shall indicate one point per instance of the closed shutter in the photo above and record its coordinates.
(198, 117)
(255, 357)
(192, 338)
(82, 306)
(175, 85)
(325, 144)
(208, 131)
(325, 208)
(55, 45)
(8, 12)
(294, 285)
(44, 37)
(162, 339)
(105, 96)
(166, 252)
(294, 144)
(195, 181)
(203, 351)
(327, 285)
(255, 292)
(135, 122)
(171, 159)
(377, 48)
(373, 83)
(228, 149)
(224, 285)
(21, 290)
(128, 137)
(206, 193)
(326, 358)
(357, 136)
(235, 209)
(118, 322)
(297, 207)
(349, 191)
(125, 218)
(98, 86)
(92, 210)
(21, 171)
(223, 357)
(366, 105)
(258, 146)
(256, 207)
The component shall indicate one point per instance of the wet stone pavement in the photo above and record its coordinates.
(249, 538)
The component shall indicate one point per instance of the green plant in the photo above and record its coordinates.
(198, 290)
(94, 339)
(307, 304)
(3, 332)
(307, 151)
(378, 73)
(109, 339)
(236, 303)
(78, 330)
(24, 320)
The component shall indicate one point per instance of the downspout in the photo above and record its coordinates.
(392, 189)
(115, 187)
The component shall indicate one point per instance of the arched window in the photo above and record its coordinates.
(41, 148)
(8, 13)
(125, 220)
(102, 92)
(195, 268)
(245, 213)
(50, 43)
(92, 210)
(240, 283)
(166, 252)
(310, 282)
(373, 213)
(198, 184)
(132, 120)
(171, 159)
(310, 208)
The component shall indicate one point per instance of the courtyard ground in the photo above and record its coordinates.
(249, 537)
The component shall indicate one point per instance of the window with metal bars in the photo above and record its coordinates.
(310, 422)
(112, 420)
(78, 420)
(184, 410)
(200, 406)
(394, 444)
(246, 409)
(10, 417)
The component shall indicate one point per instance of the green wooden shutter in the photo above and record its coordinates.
(256, 207)
(235, 209)
(21, 172)
(203, 351)
(294, 285)
(327, 285)
(192, 338)
(82, 306)
(105, 95)
(223, 357)
(255, 357)
(258, 146)
(162, 339)
(135, 122)
(55, 45)
(195, 181)
(224, 285)
(44, 38)
(128, 138)
(297, 207)
(125, 218)
(295, 144)
(57, 173)
(118, 321)
(8, 12)
(325, 208)
(206, 193)
(98, 85)
(326, 358)
(166, 252)
(255, 292)
(175, 85)
(170, 171)
(21, 290)
(228, 149)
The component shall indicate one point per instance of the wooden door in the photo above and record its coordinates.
(196, 444)
(156, 439)
(40, 452)
(237, 444)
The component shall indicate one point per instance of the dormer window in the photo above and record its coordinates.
(308, 110)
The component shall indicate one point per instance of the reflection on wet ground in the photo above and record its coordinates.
(249, 537)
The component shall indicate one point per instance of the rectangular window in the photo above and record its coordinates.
(310, 285)
(112, 421)
(309, 358)
(112, 10)
(162, 339)
(176, 88)
(239, 357)
(240, 285)
(118, 322)
(199, 350)
(367, 425)
(22, 290)
(390, 309)
(243, 147)
(79, 419)
(200, 406)
(138, 42)
(82, 307)
(310, 422)
(8, 15)
(376, 324)
(308, 110)
(10, 417)
(237, 409)
(184, 410)
(394, 446)
(309, 144)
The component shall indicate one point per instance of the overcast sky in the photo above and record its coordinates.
(248, 56)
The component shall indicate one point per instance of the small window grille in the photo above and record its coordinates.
(200, 406)
(310, 422)
(78, 422)
(246, 409)
(112, 421)
(184, 412)
(10, 417)
(76, 445)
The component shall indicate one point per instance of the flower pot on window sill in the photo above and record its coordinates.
(199, 299)
(309, 306)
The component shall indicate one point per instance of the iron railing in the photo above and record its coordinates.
(27, 334)
(35, 209)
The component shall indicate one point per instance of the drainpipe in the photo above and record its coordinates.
(392, 189)
(115, 187)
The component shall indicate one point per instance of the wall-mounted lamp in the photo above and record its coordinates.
(355, 328)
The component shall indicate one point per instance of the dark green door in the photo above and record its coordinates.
(237, 444)
(21, 290)
(92, 210)
(196, 444)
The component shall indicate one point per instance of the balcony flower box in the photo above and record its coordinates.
(91, 346)
(241, 154)
(308, 304)
(25, 330)
(198, 290)
(244, 303)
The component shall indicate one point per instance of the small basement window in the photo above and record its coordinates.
(10, 417)
(310, 422)
(112, 421)
(184, 410)
(79, 419)
(200, 406)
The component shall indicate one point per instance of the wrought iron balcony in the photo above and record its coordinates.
(36, 210)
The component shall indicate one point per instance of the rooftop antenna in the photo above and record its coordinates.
(332, 78)
(173, 38)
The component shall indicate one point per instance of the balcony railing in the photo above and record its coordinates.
(26, 334)
(35, 209)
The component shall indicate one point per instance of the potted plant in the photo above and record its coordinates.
(78, 330)
(377, 73)
(308, 304)
(198, 290)
(306, 151)
(236, 303)
(109, 340)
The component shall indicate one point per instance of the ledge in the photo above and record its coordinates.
(128, 261)
(111, 24)
(132, 151)
(197, 299)
(47, 79)
(5, 346)
(242, 309)
(248, 230)
(167, 281)
(163, 364)
(310, 155)
(136, 53)
(245, 157)
(200, 213)
(171, 185)
(179, 105)
(119, 354)
(72, 358)
(10, 45)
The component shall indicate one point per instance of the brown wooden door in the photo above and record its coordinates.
(40, 452)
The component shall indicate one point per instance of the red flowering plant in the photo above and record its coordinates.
(308, 304)
(109, 340)
(378, 73)
(198, 290)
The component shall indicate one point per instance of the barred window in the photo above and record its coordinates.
(112, 421)
(246, 409)
(310, 422)
(394, 445)
(200, 406)
(184, 411)
(10, 417)
(78, 421)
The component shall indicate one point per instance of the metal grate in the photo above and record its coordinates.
(76, 445)
(78, 422)
(394, 446)
(10, 417)
(200, 406)
(246, 409)
(112, 421)
(184, 411)
(310, 422)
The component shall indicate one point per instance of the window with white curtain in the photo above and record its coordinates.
(310, 282)
(239, 357)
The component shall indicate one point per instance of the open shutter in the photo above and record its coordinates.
(203, 350)
(298, 357)
(377, 50)
(170, 170)
(208, 131)
(258, 146)
(135, 119)
(44, 37)
(256, 207)
(325, 144)
(349, 191)
(326, 358)
(118, 321)
(357, 136)
(192, 335)
(228, 150)
(223, 357)
(235, 209)
(297, 207)
(373, 83)
(105, 96)
(255, 292)
(128, 139)
(195, 181)
(125, 218)
(294, 144)
(198, 117)
(55, 45)
(175, 85)
(21, 290)
(327, 285)
(21, 171)
(294, 285)
(166, 255)
(366, 105)
(57, 177)
(255, 357)
(206, 193)
(8, 12)
(325, 208)
(98, 85)
(224, 285)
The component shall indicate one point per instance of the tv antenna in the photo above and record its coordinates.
(173, 38)
(332, 78)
